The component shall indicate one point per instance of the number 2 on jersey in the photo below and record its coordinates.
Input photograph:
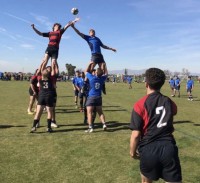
(162, 110)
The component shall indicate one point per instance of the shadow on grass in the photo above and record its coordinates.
(59, 130)
(196, 100)
(67, 111)
(12, 126)
(116, 126)
(111, 106)
(64, 96)
(112, 126)
(65, 106)
(181, 122)
(113, 110)
(196, 124)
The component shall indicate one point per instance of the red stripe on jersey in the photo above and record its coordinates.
(54, 38)
(141, 111)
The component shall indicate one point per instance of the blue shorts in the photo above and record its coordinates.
(177, 87)
(97, 58)
(94, 101)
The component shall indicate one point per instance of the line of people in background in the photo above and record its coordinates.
(175, 84)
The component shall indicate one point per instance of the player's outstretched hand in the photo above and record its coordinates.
(32, 25)
(76, 20)
(114, 50)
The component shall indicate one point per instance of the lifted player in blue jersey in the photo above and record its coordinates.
(95, 45)
(152, 139)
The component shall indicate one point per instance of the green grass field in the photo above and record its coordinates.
(69, 155)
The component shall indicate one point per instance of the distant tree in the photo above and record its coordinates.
(62, 73)
(185, 72)
(176, 73)
(70, 69)
(167, 72)
(125, 72)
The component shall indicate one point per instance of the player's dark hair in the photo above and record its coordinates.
(82, 74)
(92, 30)
(99, 72)
(155, 78)
(59, 26)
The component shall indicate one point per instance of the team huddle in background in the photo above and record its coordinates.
(175, 85)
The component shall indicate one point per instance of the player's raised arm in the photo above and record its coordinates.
(70, 23)
(108, 48)
(88, 69)
(37, 31)
(77, 31)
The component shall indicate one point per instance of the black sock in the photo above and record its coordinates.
(53, 121)
(48, 123)
(35, 122)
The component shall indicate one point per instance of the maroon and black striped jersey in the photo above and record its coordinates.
(34, 82)
(54, 37)
(153, 115)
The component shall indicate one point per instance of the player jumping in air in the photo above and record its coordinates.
(95, 45)
(54, 40)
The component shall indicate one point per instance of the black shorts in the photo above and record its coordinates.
(54, 96)
(189, 90)
(160, 160)
(47, 100)
(97, 58)
(52, 52)
(94, 101)
(76, 93)
(81, 95)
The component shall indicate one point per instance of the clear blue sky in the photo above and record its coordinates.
(146, 33)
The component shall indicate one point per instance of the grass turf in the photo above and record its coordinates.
(69, 155)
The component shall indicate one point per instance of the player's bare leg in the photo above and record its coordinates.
(49, 117)
(101, 116)
(37, 117)
(89, 116)
(92, 66)
(145, 179)
(31, 102)
(54, 62)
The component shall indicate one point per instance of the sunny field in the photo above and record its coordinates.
(69, 155)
